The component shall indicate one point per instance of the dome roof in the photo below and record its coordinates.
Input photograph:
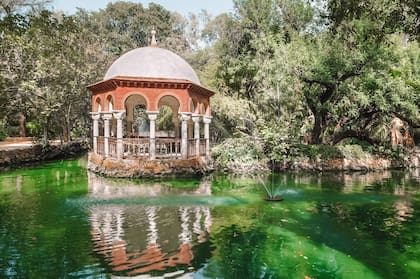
(152, 62)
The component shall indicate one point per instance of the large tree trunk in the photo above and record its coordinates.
(22, 122)
(65, 134)
(45, 134)
(318, 129)
(68, 125)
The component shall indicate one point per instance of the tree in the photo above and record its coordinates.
(47, 66)
(253, 69)
(347, 82)
(9, 7)
(393, 16)
(294, 68)
(126, 25)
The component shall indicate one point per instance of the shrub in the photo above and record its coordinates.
(34, 128)
(353, 151)
(313, 151)
(240, 155)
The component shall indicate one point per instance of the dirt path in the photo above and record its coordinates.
(10, 145)
(4, 145)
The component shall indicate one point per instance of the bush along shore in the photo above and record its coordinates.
(15, 157)
(240, 156)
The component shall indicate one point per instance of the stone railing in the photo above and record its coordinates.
(168, 148)
(191, 148)
(101, 146)
(112, 147)
(202, 147)
(136, 148)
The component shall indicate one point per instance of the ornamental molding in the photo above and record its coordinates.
(158, 83)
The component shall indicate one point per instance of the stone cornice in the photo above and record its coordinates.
(201, 90)
(159, 83)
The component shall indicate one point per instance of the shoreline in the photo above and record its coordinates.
(14, 156)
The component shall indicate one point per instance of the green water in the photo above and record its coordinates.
(59, 221)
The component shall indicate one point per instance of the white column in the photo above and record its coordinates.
(152, 145)
(207, 121)
(184, 117)
(95, 117)
(119, 115)
(106, 117)
(196, 120)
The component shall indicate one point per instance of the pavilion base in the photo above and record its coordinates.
(140, 168)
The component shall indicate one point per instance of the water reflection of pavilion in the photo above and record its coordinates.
(139, 239)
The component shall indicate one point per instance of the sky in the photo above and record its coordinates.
(214, 7)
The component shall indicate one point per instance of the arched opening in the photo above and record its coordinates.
(110, 103)
(167, 122)
(137, 122)
(97, 107)
(140, 126)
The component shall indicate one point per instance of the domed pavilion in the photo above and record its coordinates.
(149, 111)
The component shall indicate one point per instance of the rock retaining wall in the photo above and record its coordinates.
(10, 158)
(343, 164)
(131, 168)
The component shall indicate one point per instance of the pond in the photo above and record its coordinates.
(59, 221)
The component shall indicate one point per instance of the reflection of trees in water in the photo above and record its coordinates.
(370, 216)
(378, 220)
(386, 228)
(240, 253)
(348, 182)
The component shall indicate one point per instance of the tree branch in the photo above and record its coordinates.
(320, 82)
(353, 134)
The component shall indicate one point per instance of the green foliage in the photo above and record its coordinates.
(391, 16)
(239, 154)
(50, 58)
(240, 248)
(12, 131)
(353, 151)
(34, 128)
(276, 143)
(316, 151)
(325, 152)
(48, 62)
(164, 120)
(127, 25)
(3, 133)
(284, 70)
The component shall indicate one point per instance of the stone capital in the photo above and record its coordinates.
(119, 114)
(106, 115)
(184, 116)
(152, 115)
(196, 117)
(95, 115)
(207, 119)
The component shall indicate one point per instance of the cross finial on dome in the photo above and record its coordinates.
(153, 42)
